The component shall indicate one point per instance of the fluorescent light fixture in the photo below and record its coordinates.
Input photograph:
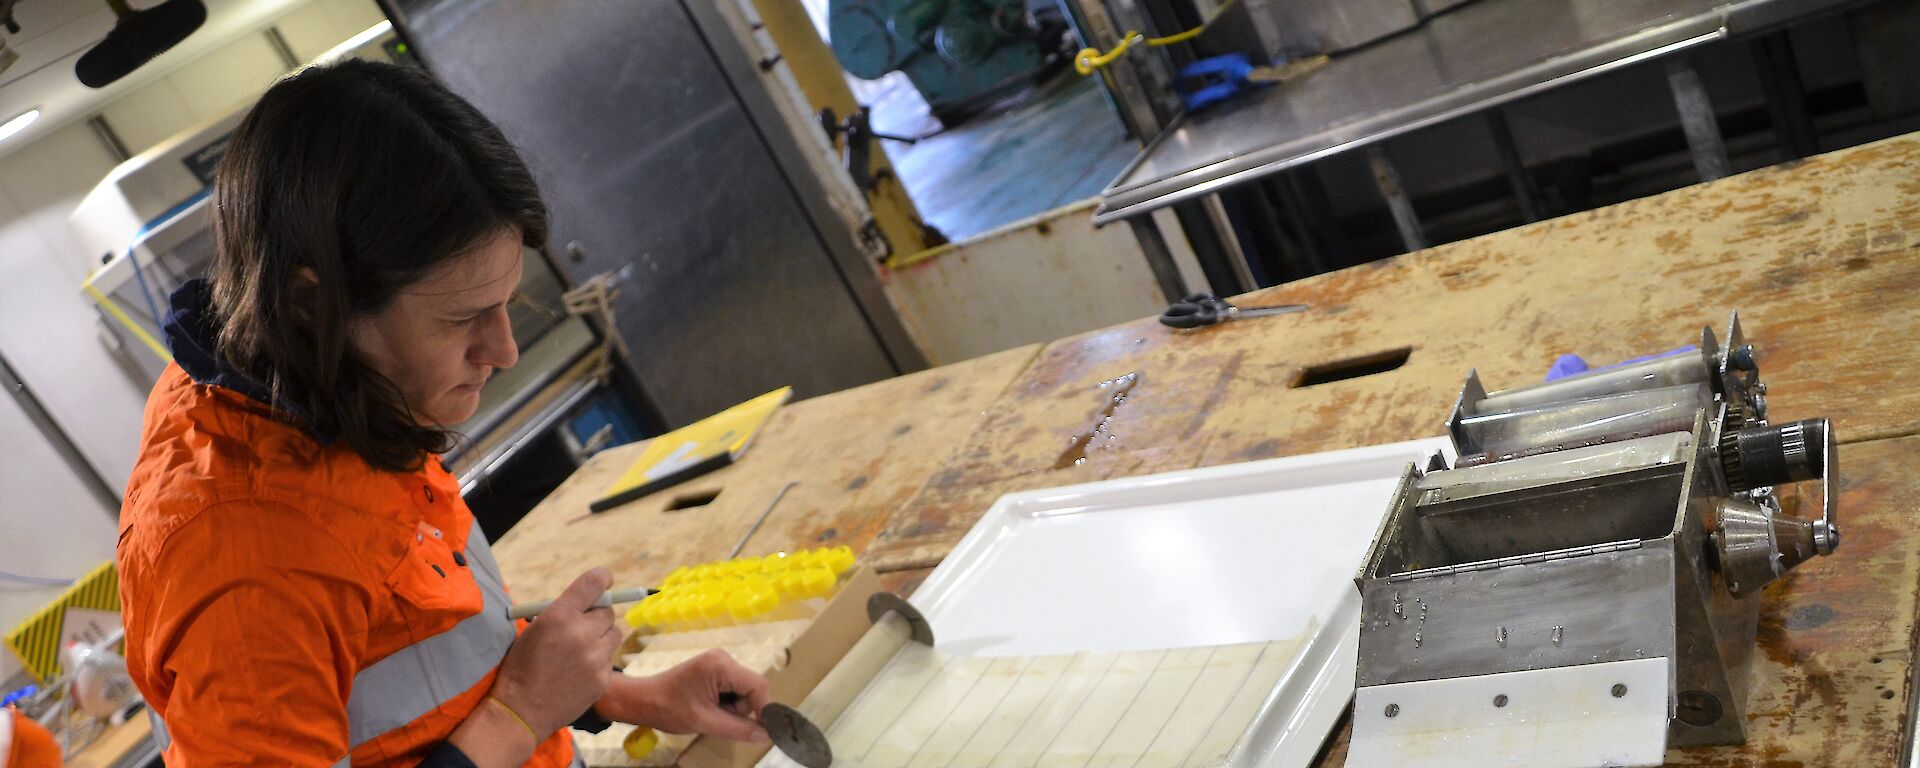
(367, 35)
(18, 123)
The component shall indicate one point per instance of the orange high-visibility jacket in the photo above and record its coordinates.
(288, 604)
(25, 743)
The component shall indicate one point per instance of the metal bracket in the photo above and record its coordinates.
(1826, 535)
(1539, 557)
(796, 736)
(881, 602)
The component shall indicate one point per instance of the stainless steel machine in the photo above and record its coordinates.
(1582, 586)
(1327, 26)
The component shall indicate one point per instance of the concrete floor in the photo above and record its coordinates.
(1058, 143)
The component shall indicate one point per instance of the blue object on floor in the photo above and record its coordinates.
(1570, 364)
(1212, 80)
(19, 695)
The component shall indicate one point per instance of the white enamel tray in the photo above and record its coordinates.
(1242, 553)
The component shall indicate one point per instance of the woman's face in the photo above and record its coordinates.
(440, 338)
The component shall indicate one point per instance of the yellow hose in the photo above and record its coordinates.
(1090, 59)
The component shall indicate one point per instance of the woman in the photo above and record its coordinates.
(301, 582)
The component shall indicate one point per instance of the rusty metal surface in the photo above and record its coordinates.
(857, 455)
(1822, 258)
(1037, 280)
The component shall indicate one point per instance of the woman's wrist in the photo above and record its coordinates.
(494, 735)
(628, 700)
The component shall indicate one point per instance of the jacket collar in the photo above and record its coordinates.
(191, 327)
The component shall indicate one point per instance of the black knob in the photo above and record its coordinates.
(1741, 359)
(1771, 455)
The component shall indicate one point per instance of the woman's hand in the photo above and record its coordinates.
(555, 670)
(560, 665)
(688, 699)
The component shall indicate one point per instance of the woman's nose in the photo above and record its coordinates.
(496, 346)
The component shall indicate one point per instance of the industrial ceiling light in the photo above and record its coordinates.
(137, 37)
(18, 123)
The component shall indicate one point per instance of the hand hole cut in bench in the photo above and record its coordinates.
(1351, 368)
(692, 500)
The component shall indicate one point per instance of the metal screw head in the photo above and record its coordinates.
(1619, 690)
(1393, 710)
(1741, 358)
(1698, 708)
(1500, 700)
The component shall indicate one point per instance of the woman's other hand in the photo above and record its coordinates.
(709, 694)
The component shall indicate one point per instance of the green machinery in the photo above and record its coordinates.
(960, 54)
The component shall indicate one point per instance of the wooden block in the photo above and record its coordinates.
(794, 670)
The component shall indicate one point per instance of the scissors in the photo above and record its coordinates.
(1204, 309)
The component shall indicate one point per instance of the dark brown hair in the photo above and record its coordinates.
(370, 175)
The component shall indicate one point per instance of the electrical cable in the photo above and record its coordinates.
(1090, 59)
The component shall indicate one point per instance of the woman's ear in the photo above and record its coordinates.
(305, 296)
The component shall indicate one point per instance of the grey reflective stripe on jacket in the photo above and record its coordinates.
(415, 680)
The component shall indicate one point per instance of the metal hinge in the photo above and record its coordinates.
(1540, 557)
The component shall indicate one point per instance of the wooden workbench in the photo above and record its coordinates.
(1822, 258)
(854, 458)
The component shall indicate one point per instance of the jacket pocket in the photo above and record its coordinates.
(427, 579)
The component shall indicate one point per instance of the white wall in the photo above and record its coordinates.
(53, 526)
(46, 328)
(49, 524)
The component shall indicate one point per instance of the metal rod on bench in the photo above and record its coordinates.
(1518, 178)
(1697, 121)
(1388, 179)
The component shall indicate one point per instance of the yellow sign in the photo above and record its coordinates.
(37, 641)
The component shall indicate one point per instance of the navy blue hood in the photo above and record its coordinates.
(190, 328)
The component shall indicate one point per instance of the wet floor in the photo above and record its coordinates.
(1057, 144)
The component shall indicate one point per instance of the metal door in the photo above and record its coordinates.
(648, 156)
